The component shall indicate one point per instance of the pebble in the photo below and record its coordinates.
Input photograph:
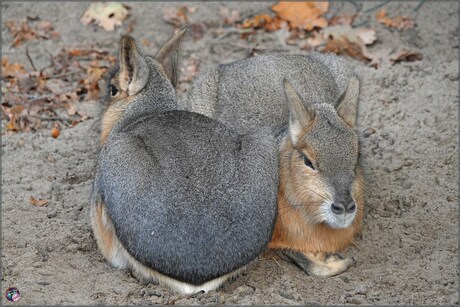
(368, 132)
(402, 81)
(452, 73)
(50, 158)
(345, 279)
(244, 291)
(287, 294)
(407, 185)
(361, 289)
(43, 283)
(72, 247)
(385, 96)
(153, 292)
(453, 76)
(52, 215)
(355, 301)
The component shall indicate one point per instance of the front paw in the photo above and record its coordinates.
(319, 264)
(332, 265)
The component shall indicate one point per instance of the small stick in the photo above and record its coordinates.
(419, 5)
(358, 6)
(365, 22)
(65, 74)
(377, 6)
(232, 31)
(47, 118)
(30, 59)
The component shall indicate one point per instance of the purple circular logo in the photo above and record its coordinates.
(12, 294)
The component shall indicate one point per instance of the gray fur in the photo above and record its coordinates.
(249, 93)
(188, 196)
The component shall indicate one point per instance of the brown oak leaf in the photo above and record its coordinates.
(302, 15)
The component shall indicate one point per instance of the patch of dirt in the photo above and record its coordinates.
(407, 252)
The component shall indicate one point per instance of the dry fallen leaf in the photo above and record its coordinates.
(344, 46)
(177, 17)
(263, 21)
(256, 21)
(398, 22)
(38, 202)
(379, 57)
(316, 40)
(14, 70)
(302, 15)
(13, 113)
(344, 39)
(45, 26)
(354, 35)
(107, 15)
(389, 57)
(342, 20)
(405, 55)
(23, 32)
(35, 100)
(69, 105)
(94, 74)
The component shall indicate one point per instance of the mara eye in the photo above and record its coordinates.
(308, 162)
(113, 90)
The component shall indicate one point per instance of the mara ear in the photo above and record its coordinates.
(347, 105)
(168, 57)
(300, 115)
(134, 71)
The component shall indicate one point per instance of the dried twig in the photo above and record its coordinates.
(47, 118)
(377, 6)
(232, 31)
(65, 74)
(358, 6)
(30, 59)
(419, 5)
(363, 23)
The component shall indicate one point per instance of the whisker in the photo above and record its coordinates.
(322, 196)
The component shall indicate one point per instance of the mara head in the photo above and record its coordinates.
(139, 77)
(319, 170)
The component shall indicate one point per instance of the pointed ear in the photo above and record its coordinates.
(300, 115)
(347, 106)
(134, 71)
(168, 57)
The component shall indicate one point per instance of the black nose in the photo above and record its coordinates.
(339, 208)
(351, 207)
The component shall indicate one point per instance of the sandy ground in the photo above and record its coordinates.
(407, 252)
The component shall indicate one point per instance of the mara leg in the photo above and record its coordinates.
(318, 264)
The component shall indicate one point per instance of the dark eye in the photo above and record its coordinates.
(113, 90)
(308, 162)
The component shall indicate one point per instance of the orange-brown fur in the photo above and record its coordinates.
(295, 226)
(114, 111)
(103, 233)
